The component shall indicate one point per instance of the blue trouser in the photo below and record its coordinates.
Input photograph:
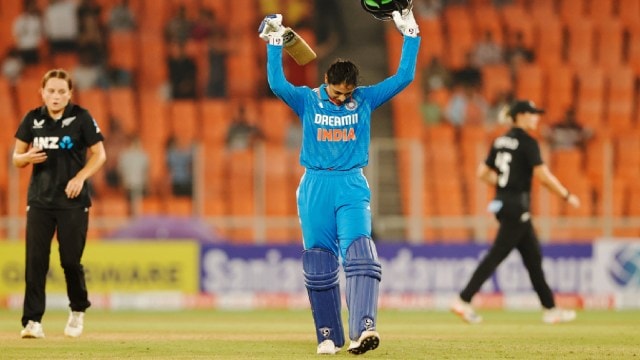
(334, 211)
(333, 207)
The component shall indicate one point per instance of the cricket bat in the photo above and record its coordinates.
(296, 47)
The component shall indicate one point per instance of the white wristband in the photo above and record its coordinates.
(413, 32)
(276, 40)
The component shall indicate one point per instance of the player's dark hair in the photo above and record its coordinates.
(341, 72)
(58, 74)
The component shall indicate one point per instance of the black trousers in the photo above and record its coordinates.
(71, 226)
(515, 232)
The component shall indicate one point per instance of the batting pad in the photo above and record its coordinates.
(321, 269)
(363, 272)
(297, 47)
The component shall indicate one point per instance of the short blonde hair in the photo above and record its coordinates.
(504, 117)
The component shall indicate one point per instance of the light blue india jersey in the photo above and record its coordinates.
(333, 196)
(337, 137)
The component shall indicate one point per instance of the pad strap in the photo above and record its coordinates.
(321, 277)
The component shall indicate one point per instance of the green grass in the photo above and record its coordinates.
(208, 334)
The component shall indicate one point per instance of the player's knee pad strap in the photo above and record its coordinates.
(321, 275)
(320, 269)
(362, 259)
(363, 272)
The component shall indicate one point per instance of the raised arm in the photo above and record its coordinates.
(271, 30)
(391, 86)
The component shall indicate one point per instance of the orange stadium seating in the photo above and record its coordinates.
(496, 80)
(4, 183)
(587, 56)
(590, 100)
(8, 116)
(436, 48)
(184, 120)
(95, 100)
(620, 99)
(123, 108)
(580, 49)
(517, 20)
(600, 11)
(240, 191)
(549, 46)
(28, 97)
(216, 117)
(123, 47)
(609, 39)
(628, 12)
(633, 47)
(530, 82)
(559, 90)
(214, 187)
(486, 19)
(459, 27)
(572, 11)
(590, 69)
(274, 121)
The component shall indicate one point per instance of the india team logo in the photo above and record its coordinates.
(351, 105)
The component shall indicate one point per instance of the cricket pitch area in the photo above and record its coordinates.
(283, 334)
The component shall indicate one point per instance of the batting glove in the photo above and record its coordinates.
(406, 23)
(271, 29)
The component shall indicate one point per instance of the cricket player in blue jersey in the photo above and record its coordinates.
(333, 196)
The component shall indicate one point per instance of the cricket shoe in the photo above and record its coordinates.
(327, 347)
(556, 315)
(369, 340)
(75, 324)
(33, 330)
(465, 311)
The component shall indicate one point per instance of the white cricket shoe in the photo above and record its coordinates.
(465, 311)
(75, 324)
(33, 330)
(327, 347)
(557, 315)
(369, 340)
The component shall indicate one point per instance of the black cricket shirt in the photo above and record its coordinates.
(514, 155)
(65, 141)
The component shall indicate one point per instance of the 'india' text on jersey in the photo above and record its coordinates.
(337, 137)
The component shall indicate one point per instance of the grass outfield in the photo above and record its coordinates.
(255, 335)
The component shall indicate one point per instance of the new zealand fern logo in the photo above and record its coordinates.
(66, 143)
(625, 270)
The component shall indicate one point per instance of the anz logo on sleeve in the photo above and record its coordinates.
(53, 142)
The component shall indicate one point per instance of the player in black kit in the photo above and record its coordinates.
(65, 146)
(514, 159)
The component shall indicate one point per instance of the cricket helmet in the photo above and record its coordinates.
(382, 9)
